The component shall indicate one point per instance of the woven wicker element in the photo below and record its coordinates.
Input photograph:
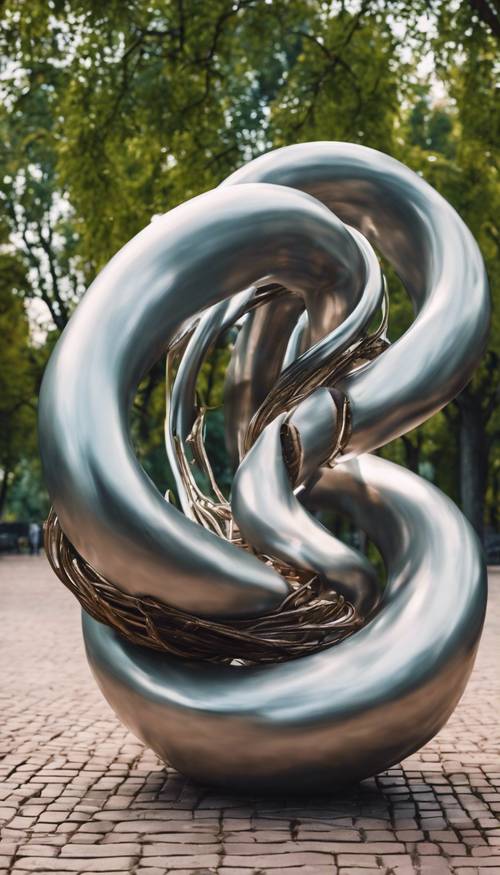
(307, 621)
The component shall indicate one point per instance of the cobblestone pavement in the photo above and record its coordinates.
(79, 794)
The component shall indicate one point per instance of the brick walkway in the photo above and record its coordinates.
(79, 794)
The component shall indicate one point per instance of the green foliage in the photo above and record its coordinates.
(345, 83)
(27, 497)
(17, 374)
(456, 146)
(141, 105)
(114, 112)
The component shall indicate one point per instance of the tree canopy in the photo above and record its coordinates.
(115, 112)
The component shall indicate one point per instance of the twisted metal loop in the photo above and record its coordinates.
(284, 255)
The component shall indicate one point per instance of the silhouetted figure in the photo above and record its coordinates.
(34, 538)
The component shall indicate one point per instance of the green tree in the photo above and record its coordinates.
(17, 375)
(456, 147)
(113, 112)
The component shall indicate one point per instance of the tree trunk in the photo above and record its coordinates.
(4, 485)
(413, 451)
(474, 451)
(495, 502)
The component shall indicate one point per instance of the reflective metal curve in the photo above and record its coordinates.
(284, 255)
(339, 715)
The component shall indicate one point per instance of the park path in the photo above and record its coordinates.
(79, 794)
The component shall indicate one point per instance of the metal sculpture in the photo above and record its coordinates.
(283, 249)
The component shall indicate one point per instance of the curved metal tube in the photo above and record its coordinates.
(297, 343)
(255, 365)
(262, 494)
(326, 348)
(107, 505)
(349, 711)
(181, 415)
(437, 260)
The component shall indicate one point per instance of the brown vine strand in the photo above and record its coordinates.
(308, 620)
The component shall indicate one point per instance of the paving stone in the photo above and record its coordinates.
(42, 864)
(434, 866)
(279, 861)
(76, 850)
(78, 794)
(37, 850)
(200, 861)
(148, 870)
(357, 860)
(355, 870)
(156, 849)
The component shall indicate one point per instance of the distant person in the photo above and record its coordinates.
(34, 538)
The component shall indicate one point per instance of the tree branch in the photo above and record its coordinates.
(487, 15)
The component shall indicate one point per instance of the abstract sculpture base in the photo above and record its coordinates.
(337, 716)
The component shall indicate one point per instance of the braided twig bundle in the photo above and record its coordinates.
(307, 621)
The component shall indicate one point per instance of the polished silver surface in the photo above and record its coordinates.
(256, 362)
(181, 415)
(272, 519)
(285, 252)
(201, 252)
(436, 258)
(350, 711)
